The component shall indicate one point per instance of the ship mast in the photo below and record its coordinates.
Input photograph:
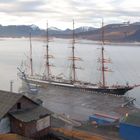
(73, 54)
(73, 58)
(31, 60)
(102, 58)
(47, 54)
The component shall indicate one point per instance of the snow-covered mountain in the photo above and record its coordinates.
(54, 29)
(34, 27)
(84, 29)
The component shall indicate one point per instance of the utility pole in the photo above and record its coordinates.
(11, 86)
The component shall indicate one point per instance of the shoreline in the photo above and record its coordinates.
(78, 39)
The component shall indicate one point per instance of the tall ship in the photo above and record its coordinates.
(73, 83)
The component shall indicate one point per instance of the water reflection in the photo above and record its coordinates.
(125, 61)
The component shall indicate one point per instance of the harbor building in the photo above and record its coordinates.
(21, 115)
(130, 127)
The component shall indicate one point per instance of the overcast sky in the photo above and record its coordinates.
(60, 13)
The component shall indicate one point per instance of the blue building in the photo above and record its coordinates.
(130, 127)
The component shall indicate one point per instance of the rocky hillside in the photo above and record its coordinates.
(115, 33)
(124, 32)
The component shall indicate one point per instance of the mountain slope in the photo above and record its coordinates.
(112, 32)
(135, 36)
(19, 31)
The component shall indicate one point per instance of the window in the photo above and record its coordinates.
(18, 105)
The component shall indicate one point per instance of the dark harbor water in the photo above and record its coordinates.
(125, 62)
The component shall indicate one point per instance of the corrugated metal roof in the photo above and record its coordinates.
(7, 100)
(31, 114)
(133, 119)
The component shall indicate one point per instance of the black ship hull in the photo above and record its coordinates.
(119, 90)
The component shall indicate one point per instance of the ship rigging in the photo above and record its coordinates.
(73, 83)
